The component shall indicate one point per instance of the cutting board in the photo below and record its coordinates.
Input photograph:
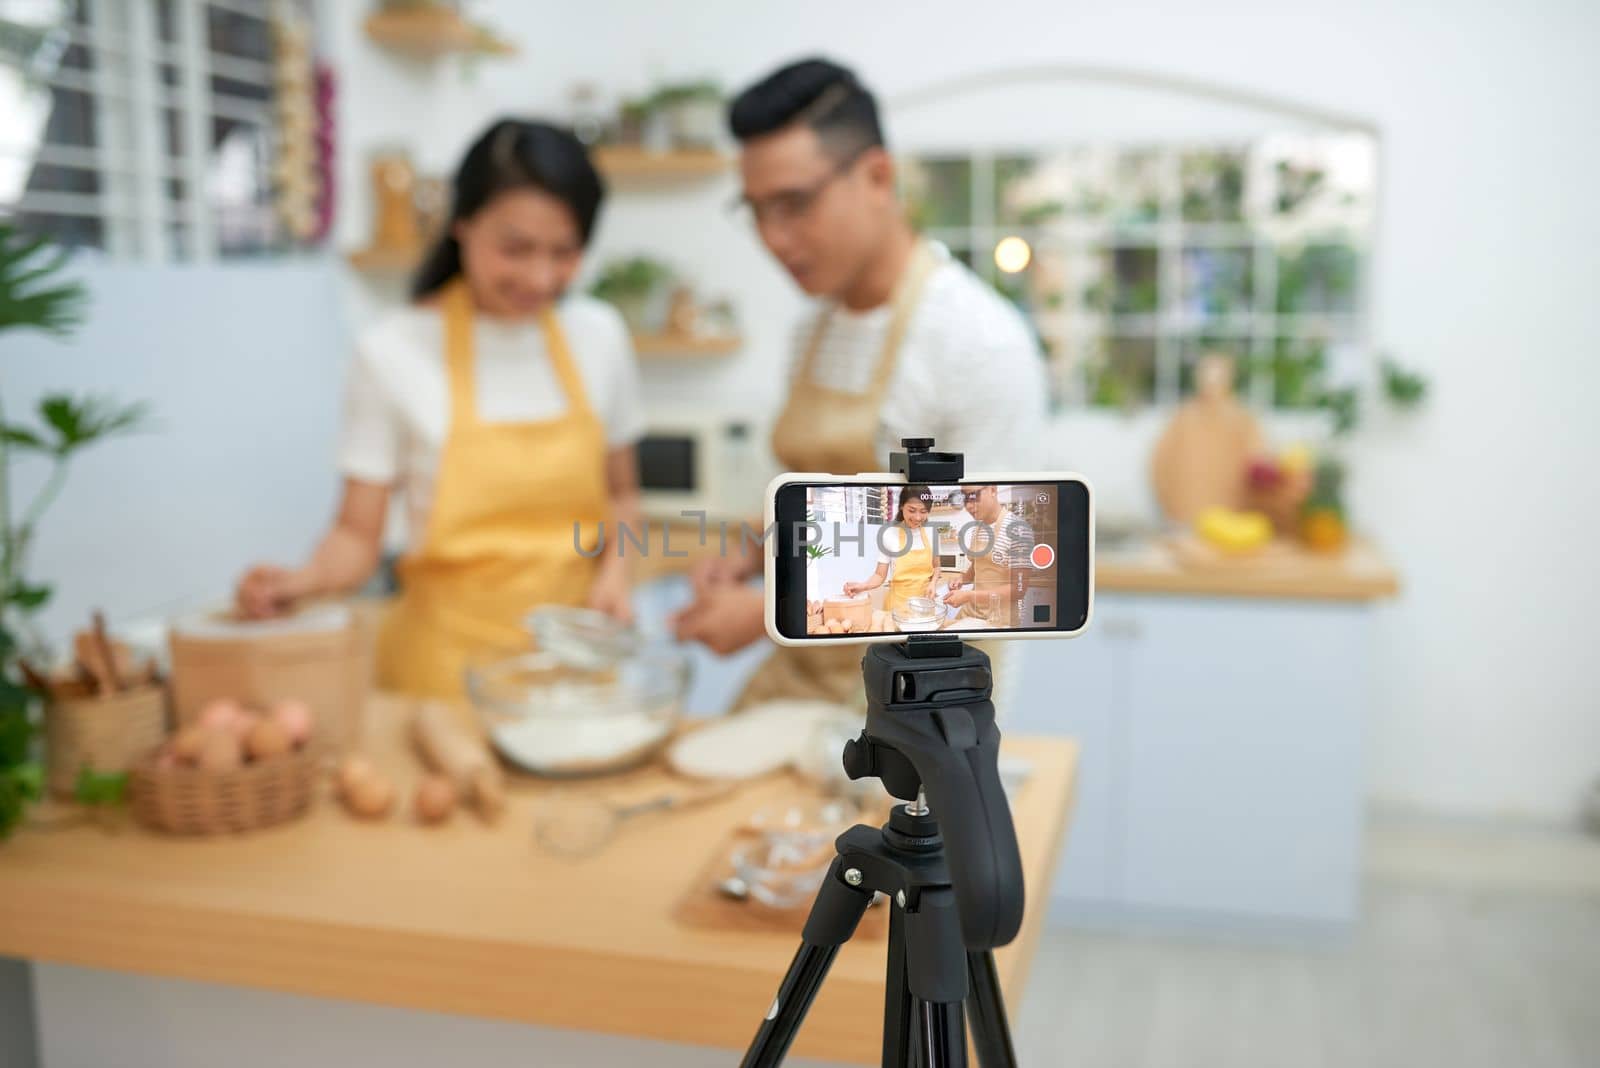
(1201, 458)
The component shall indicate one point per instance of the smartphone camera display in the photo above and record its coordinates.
(865, 560)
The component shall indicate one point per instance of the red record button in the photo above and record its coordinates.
(1043, 556)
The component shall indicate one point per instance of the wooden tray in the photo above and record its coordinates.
(704, 906)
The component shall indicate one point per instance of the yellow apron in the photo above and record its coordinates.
(912, 572)
(824, 429)
(991, 582)
(500, 529)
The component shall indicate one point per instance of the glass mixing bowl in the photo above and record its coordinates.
(549, 716)
(919, 614)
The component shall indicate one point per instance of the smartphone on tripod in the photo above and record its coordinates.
(876, 557)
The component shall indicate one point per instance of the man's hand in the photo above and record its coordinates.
(958, 598)
(709, 572)
(725, 618)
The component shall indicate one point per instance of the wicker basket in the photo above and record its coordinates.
(186, 800)
(107, 734)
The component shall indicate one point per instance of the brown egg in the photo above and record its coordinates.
(187, 743)
(220, 752)
(849, 625)
(370, 798)
(220, 713)
(435, 799)
(267, 739)
(295, 717)
(835, 626)
(352, 770)
(244, 723)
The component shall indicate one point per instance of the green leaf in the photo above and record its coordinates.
(80, 421)
(1405, 389)
(31, 294)
(22, 438)
(28, 598)
(15, 731)
(18, 786)
(100, 787)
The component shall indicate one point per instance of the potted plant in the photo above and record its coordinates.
(638, 287)
(33, 295)
(693, 112)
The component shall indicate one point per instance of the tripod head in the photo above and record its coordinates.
(930, 730)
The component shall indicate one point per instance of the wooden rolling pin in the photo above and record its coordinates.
(459, 755)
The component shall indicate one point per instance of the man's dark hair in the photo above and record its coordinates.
(817, 92)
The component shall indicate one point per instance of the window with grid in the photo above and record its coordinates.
(1130, 262)
(156, 129)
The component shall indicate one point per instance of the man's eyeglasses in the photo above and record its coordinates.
(791, 204)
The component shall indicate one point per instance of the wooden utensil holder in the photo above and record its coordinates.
(106, 734)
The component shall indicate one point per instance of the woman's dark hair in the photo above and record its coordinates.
(514, 154)
(909, 493)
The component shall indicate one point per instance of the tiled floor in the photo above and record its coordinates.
(1479, 948)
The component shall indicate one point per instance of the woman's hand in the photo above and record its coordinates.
(610, 593)
(853, 588)
(724, 619)
(267, 590)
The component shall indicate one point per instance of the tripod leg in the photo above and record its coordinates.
(941, 1040)
(896, 998)
(936, 977)
(986, 1013)
(833, 920)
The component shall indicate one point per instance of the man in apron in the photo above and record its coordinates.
(993, 586)
(905, 341)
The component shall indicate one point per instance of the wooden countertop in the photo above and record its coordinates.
(472, 920)
(1360, 573)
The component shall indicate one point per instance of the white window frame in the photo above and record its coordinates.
(137, 215)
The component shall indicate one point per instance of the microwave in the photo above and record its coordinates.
(718, 464)
(947, 545)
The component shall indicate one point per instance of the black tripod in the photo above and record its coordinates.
(930, 735)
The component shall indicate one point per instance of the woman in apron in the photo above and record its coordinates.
(474, 403)
(907, 560)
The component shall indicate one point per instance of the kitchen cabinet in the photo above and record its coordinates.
(1221, 780)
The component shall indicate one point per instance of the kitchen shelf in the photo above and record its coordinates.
(384, 260)
(625, 162)
(673, 346)
(431, 33)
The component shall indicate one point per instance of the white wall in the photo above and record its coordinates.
(240, 367)
(1485, 272)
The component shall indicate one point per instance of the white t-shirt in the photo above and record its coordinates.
(969, 372)
(397, 396)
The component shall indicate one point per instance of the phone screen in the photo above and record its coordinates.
(859, 559)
